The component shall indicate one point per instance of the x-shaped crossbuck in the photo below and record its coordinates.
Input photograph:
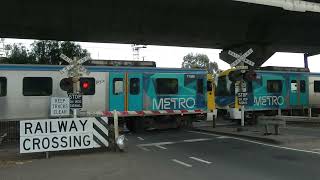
(75, 69)
(241, 58)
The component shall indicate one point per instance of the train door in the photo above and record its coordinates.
(117, 91)
(298, 94)
(135, 99)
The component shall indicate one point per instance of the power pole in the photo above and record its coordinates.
(136, 51)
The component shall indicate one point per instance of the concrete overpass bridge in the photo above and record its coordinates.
(223, 24)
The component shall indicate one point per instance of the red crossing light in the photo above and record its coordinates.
(85, 85)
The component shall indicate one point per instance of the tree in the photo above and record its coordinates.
(43, 52)
(199, 61)
(18, 55)
(48, 52)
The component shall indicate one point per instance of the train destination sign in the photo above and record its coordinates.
(56, 134)
(59, 107)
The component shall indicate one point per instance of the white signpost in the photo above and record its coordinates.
(59, 107)
(242, 89)
(56, 134)
(75, 70)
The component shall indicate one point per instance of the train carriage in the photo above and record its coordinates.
(135, 92)
(272, 89)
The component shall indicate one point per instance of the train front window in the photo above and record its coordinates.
(200, 86)
(222, 87)
(317, 86)
(3, 86)
(37, 86)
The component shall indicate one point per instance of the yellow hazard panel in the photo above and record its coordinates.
(210, 93)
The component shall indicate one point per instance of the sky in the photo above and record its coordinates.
(171, 56)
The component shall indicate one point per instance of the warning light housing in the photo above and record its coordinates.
(87, 86)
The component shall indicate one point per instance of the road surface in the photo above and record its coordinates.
(174, 154)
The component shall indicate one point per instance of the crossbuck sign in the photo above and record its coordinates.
(75, 69)
(241, 58)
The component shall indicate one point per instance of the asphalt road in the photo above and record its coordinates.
(174, 155)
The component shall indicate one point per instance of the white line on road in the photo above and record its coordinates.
(143, 148)
(140, 138)
(196, 140)
(222, 137)
(201, 160)
(157, 144)
(182, 163)
(161, 147)
(263, 144)
(210, 134)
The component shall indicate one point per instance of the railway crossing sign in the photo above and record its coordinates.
(75, 67)
(241, 58)
(241, 89)
(75, 101)
(243, 98)
(59, 106)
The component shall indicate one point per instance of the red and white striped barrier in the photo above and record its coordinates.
(148, 113)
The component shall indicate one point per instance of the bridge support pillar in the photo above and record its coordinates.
(306, 64)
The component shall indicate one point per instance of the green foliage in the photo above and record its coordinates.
(43, 52)
(18, 55)
(199, 61)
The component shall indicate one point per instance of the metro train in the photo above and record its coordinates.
(272, 90)
(143, 96)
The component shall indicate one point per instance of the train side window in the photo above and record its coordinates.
(166, 86)
(274, 86)
(200, 86)
(134, 86)
(37, 86)
(209, 86)
(249, 87)
(3, 86)
(317, 86)
(303, 86)
(294, 86)
(118, 86)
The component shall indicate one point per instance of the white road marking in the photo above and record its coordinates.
(143, 148)
(196, 140)
(222, 137)
(161, 147)
(200, 160)
(140, 138)
(263, 144)
(157, 144)
(182, 163)
(210, 134)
